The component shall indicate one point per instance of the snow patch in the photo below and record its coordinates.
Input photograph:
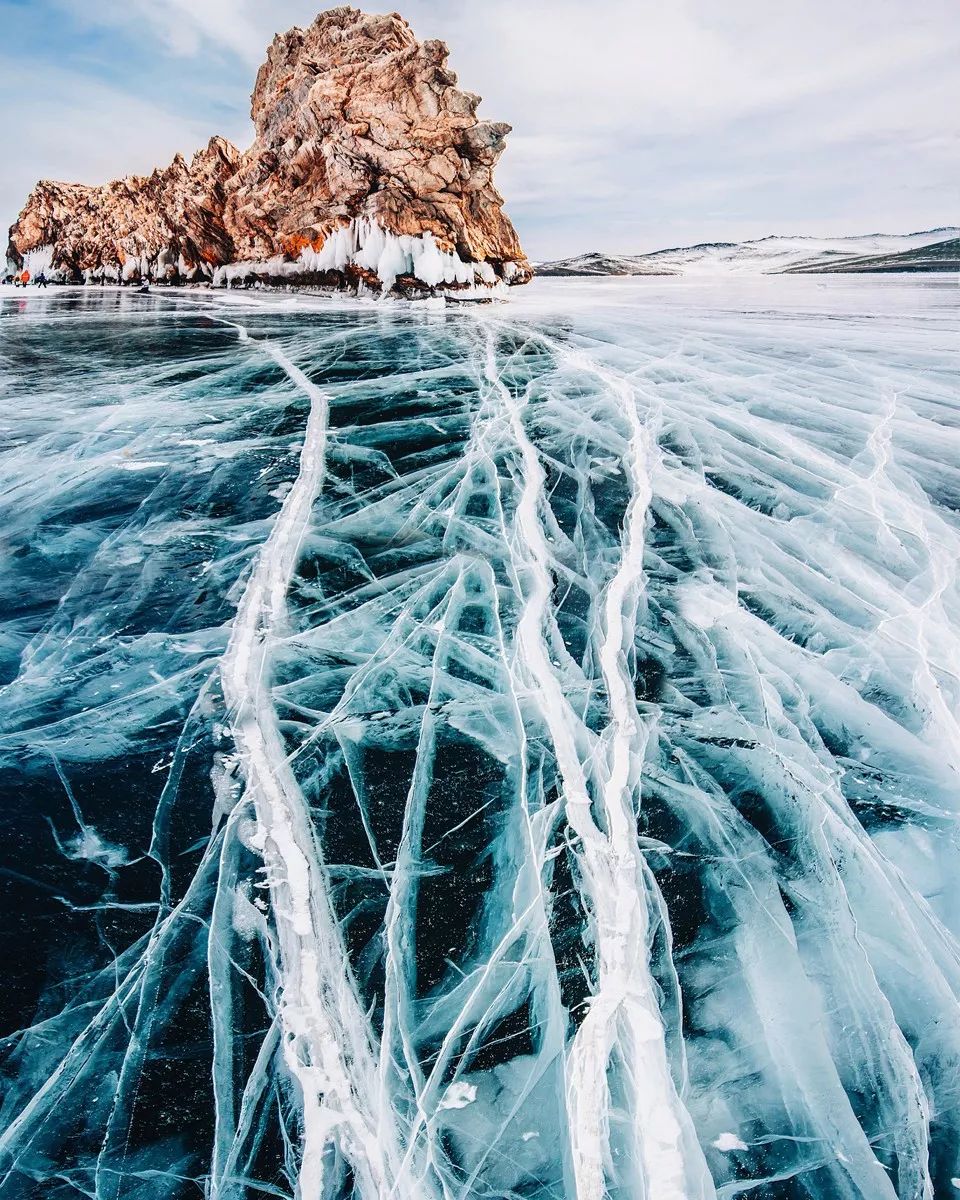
(729, 1141)
(706, 604)
(89, 846)
(458, 1095)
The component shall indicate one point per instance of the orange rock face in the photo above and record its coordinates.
(358, 126)
(171, 220)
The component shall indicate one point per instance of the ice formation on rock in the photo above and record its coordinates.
(369, 168)
(455, 755)
(379, 257)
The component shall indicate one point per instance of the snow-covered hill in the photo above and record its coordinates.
(596, 263)
(932, 249)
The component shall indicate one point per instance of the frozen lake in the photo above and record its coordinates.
(496, 752)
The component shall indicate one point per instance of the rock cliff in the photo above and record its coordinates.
(369, 166)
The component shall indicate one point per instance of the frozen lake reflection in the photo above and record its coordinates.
(497, 753)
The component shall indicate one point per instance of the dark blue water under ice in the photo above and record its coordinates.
(481, 754)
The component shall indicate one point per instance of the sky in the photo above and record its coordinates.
(637, 124)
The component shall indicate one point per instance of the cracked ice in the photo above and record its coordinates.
(506, 753)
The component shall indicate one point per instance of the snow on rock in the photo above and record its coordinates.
(38, 260)
(369, 168)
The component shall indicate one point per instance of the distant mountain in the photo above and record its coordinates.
(930, 250)
(934, 256)
(595, 263)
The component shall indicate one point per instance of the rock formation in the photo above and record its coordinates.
(369, 166)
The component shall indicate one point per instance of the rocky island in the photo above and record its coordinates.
(369, 169)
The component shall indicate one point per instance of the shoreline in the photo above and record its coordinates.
(735, 292)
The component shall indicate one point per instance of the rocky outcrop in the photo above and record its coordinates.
(369, 167)
(168, 224)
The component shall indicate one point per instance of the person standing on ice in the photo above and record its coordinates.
(25, 278)
(41, 280)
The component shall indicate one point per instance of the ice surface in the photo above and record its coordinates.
(504, 753)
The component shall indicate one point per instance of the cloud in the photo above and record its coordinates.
(182, 28)
(195, 29)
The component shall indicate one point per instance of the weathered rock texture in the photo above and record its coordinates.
(368, 163)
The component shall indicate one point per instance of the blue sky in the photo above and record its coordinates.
(638, 124)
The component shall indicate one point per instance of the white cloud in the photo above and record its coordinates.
(198, 28)
(187, 28)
